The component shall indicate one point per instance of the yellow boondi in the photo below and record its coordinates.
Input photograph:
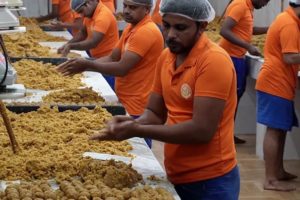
(37, 75)
(52, 143)
(83, 96)
(109, 180)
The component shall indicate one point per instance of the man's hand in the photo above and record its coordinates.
(119, 128)
(253, 50)
(72, 67)
(60, 49)
(64, 50)
(57, 25)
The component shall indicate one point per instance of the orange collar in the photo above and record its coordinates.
(97, 10)
(144, 21)
(292, 13)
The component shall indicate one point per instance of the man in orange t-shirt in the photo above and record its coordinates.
(193, 118)
(99, 33)
(132, 60)
(276, 87)
(237, 30)
(61, 10)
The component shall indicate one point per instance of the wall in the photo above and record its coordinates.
(35, 8)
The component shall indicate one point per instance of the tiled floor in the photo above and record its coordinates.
(252, 172)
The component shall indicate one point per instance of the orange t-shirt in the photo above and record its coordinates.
(65, 11)
(103, 21)
(240, 11)
(276, 77)
(110, 4)
(156, 17)
(144, 39)
(199, 76)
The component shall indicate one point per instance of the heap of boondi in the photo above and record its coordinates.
(52, 143)
(44, 76)
(100, 188)
(259, 41)
(119, 16)
(33, 31)
(19, 45)
(82, 96)
(213, 30)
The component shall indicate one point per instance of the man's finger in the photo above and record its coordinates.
(62, 65)
(99, 136)
(122, 118)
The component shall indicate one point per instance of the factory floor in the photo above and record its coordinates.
(252, 172)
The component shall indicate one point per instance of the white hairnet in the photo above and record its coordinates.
(197, 10)
(297, 2)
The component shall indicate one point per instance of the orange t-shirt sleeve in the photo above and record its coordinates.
(289, 39)
(102, 24)
(55, 2)
(213, 70)
(157, 86)
(121, 41)
(141, 42)
(236, 12)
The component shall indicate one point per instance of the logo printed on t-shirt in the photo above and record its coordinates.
(186, 91)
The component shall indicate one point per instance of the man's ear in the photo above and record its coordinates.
(201, 27)
(148, 9)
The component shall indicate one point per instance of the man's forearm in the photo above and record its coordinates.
(183, 133)
(45, 18)
(68, 25)
(82, 45)
(149, 117)
(109, 68)
(77, 38)
(260, 30)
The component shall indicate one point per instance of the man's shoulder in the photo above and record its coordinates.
(237, 4)
(104, 13)
(149, 28)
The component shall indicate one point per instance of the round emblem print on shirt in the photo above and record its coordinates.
(186, 91)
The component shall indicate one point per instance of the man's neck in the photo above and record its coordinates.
(180, 58)
(297, 11)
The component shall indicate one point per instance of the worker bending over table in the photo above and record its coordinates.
(237, 30)
(133, 59)
(191, 107)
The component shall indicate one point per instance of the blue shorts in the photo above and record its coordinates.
(226, 187)
(241, 70)
(275, 112)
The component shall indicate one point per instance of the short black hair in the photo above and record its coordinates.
(294, 5)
